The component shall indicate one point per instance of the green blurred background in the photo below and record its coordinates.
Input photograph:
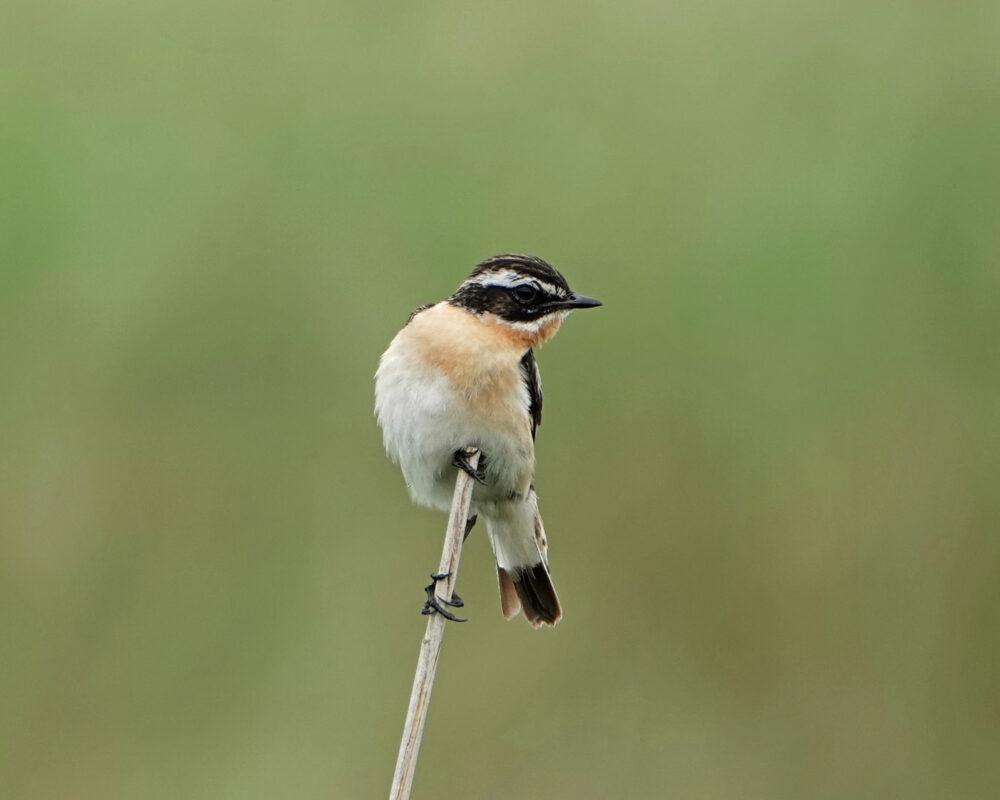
(769, 466)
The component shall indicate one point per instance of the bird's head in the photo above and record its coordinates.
(522, 292)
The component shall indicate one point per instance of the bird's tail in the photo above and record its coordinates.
(530, 589)
(521, 549)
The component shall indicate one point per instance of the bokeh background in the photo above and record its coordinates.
(769, 465)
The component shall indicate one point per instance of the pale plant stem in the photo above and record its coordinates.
(430, 648)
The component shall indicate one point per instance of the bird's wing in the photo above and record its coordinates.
(533, 380)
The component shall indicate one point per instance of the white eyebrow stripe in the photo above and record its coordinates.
(508, 279)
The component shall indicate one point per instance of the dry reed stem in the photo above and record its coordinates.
(430, 648)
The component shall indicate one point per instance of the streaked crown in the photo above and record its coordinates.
(517, 288)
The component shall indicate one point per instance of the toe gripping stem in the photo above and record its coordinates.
(461, 460)
(436, 605)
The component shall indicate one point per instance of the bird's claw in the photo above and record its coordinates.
(435, 605)
(461, 460)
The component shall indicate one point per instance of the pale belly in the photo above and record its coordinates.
(425, 420)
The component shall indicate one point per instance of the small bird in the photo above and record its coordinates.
(462, 373)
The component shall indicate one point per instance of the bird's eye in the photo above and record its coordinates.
(525, 292)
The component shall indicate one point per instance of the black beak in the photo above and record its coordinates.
(579, 301)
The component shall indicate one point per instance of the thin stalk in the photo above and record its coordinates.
(430, 647)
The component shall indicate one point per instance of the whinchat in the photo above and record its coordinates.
(462, 373)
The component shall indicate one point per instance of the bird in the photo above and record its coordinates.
(461, 373)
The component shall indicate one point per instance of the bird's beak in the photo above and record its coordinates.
(579, 301)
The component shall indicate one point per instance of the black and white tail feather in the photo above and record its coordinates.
(522, 563)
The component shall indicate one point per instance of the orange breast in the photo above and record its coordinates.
(480, 356)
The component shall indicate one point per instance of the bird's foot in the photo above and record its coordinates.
(469, 524)
(435, 605)
(461, 460)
